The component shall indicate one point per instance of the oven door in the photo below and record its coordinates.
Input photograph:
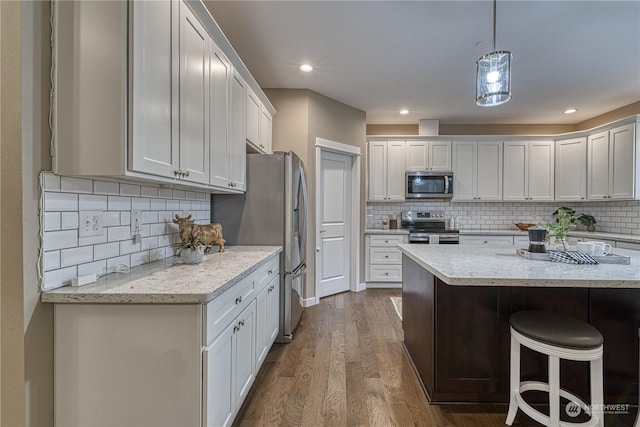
(433, 238)
(429, 185)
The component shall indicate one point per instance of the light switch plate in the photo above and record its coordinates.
(90, 224)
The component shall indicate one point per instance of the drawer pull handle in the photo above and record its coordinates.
(239, 299)
(235, 329)
(241, 323)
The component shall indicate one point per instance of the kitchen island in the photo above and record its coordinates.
(456, 306)
(167, 344)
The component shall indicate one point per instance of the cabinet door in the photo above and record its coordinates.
(245, 352)
(377, 171)
(516, 170)
(262, 333)
(266, 131)
(273, 310)
(395, 171)
(598, 166)
(541, 170)
(489, 167)
(237, 133)
(194, 98)
(219, 402)
(154, 88)
(439, 155)
(621, 162)
(464, 170)
(571, 169)
(253, 118)
(220, 143)
(416, 155)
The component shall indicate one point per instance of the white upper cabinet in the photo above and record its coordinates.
(166, 108)
(386, 171)
(477, 170)
(259, 124)
(266, 129)
(428, 155)
(571, 169)
(611, 163)
(528, 170)
(154, 98)
(194, 98)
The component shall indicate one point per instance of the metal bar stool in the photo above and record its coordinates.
(637, 423)
(559, 337)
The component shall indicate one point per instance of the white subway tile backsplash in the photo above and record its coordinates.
(51, 182)
(108, 188)
(129, 190)
(60, 202)
(75, 256)
(67, 256)
(140, 203)
(51, 260)
(119, 233)
(51, 221)
(97, 267)
(106, 250)
(60, 239)
(76, 185)
(69, 220)
(89, 202)
(117, 203)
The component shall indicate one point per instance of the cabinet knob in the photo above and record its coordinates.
(235, 329)
(386, 256)
(386, 274)
(177, 172)
(186, 173)
(239, 299)
(485, 242)
(270, 271)
(241, 323)
(386, 241)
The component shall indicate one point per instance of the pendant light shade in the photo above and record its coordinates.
(493, 79)
(493, 74)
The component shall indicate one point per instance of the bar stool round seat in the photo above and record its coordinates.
(559, 337)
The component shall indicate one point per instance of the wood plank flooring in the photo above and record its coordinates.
(347, 367)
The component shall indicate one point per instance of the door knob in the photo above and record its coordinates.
(317, 249)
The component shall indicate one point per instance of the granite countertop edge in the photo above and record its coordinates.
(137, 287)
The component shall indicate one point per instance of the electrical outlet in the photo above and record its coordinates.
(136, 225)
(90, 224)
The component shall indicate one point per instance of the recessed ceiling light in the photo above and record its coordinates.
(306, 68)
(570, 110)
(404, 111)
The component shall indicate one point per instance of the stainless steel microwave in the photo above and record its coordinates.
(428, 185)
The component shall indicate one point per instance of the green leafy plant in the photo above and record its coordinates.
(193, 243)
(586, 220)
(565, 219)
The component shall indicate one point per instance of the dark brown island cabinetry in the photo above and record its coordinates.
(458, 337)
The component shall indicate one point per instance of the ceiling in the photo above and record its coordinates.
(382, 56)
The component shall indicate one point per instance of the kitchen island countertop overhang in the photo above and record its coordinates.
(499, 265)
(169, 281)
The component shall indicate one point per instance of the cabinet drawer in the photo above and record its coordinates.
(628, 245)
(222, 310)
(383, 255)
(266, 273)
(520, 240)
(385, 239)
(386, 273)
(486, 240)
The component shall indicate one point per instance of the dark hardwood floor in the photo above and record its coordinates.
(347, 367)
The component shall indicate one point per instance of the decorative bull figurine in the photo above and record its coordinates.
(209, 234)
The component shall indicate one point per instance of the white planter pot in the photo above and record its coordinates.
(191, 256)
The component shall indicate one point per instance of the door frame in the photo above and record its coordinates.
(355, 154)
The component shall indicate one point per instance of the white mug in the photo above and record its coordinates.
(586, 248)
(600, 248)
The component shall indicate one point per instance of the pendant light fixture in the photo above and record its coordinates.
(493, 74)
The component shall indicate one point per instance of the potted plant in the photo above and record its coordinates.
(588, 221)
(565, 219)
(190, 252)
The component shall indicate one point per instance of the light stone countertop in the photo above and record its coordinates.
(496, 232)
(498, 265)
(631, 238)
(170, 281)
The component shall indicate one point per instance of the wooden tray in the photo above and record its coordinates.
(606, 259)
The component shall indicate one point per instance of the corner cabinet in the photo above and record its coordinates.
(386, 171)
(611, 164)
(166, 108)
(169, 364)
(477, 169)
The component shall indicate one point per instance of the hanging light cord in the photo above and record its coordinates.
(494, 25)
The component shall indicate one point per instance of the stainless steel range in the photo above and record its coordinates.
(429, 227)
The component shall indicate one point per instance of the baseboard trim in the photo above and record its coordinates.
(308, 302)
(361, 287)
(384, 285)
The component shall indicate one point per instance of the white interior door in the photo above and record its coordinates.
(335, 223)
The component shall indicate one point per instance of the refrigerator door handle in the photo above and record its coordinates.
(303, 240)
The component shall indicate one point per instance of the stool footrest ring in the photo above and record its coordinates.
(544, 419)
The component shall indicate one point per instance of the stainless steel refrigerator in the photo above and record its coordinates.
(273, 211)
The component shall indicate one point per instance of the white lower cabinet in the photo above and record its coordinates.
(164, 364)
(382, 257)
(486, 240)
(628, 245)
